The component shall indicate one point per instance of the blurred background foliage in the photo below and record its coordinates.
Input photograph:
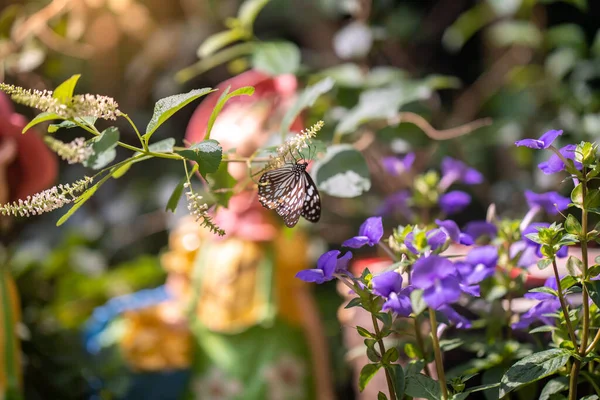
(531, 65)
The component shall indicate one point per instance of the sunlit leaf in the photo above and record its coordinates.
(42, 117)
(64, 91)
(103, 147)
(342, 172)
(207, 154)
(216, 42)
(306, 99)
(225, 96)
(249, 11)
(165, 108)
(276, 58)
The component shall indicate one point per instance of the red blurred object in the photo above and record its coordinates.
(35, 167)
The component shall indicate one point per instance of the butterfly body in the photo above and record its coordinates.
(291, 192)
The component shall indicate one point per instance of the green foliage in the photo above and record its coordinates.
(104, 149)
(207, 154)
(306, 99)
(276, 58)
(419, 385)
(366, 374)
(165, 108)
(64, 91)
(342, 172)
(533, 368)
(225, 96)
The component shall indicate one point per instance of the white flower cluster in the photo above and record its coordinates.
(74, 152)
(46, 201)
(199, 210)
(293, 144)
(81, 105)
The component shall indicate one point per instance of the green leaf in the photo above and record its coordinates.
(592, 199)
(207, 154)
(223, 180)
(390, 356)
(342, 172)
(176, 195)
(593, 288)
(89, 121)
(249, 11)
(355, 302)
(364, 333)
(225, 96)
(417, 301)
(577, 195)
(276, 58)
(556, 385)
(451, 344)
(79, 202)
(399, 380)
(419, 385)
(533, 368)
(384, 103)
(572, 225)
(366, 374)
(373, 355)
(64, 91)
(306, 99)
(162, 146)
(574, 265)
(511, 32)
(544, 263)
(567, 282)
(543, 329)
(104, 149)
(42, 117)
(122, 170)
(216, 42)
(381, 396)
(165, 108)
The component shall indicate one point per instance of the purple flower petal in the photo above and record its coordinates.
(537, 313)
(454, 201)
(436, 238)
(450, 228)
(387, 282)
(408, 242)
(313, 275)
(551, 202)
(473, 290)
(543, 142)
(486, 255)
(477, 229)
(458, 320)
(396, 166)
(356, 242)
(328, 262)
(373, 229)
(446, 291)
(455, 170)
(396, 202)
(555, 164)
(398, 303)
(427, 270)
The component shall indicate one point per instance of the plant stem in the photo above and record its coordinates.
(137, 132)
(421, 344)
(96, 133)
(388, 378)
(563, 304)
(594, 343)
(438, 354)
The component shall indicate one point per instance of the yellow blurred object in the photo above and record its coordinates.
(156, 340)
(290, 257)
(13, 297)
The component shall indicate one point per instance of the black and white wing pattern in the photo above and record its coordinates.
(291, 192)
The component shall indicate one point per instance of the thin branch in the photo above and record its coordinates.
(443, 134)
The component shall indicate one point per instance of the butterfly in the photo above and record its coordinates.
(291, 192)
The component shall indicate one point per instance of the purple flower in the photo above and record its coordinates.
(542, 143)
(386, 283)
(396, 166)
(454, 201)
(548, 304)
(528, 253)
(454, 170)
(437, 277)
(479, 264)
(454, 233)
(555, 164)
(436, 238)
(458, 320)
(477, 229)
(370, 233)
(396, 202)
(551, 202)
(399, 302)
(327, 265)
(538, 312)
(549, 283)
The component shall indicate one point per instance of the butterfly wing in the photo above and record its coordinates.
(292, 203)
(311, 208)
(273, 185)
